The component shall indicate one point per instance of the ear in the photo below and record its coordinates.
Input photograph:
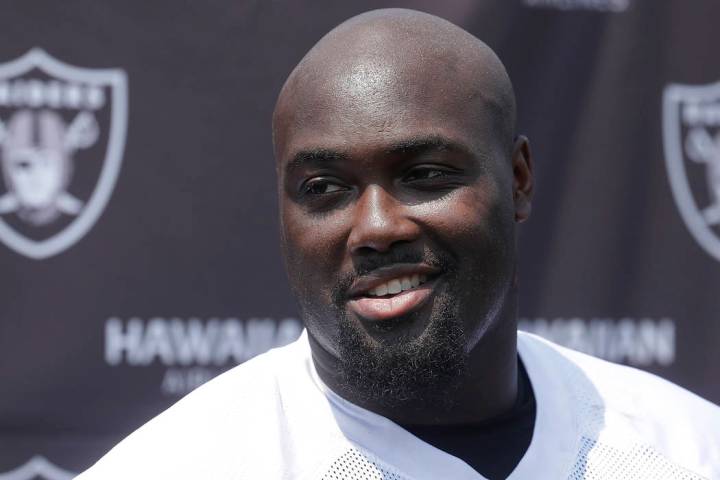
(82, 132)
(522, 178)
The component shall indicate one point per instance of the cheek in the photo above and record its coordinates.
(306, 236)
(476, 225)
(468, 215)
(312, 246)
(479, 232)
(488, 229)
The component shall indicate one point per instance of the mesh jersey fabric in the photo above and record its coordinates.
(272, 418)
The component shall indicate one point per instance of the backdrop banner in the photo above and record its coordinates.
(138, 212)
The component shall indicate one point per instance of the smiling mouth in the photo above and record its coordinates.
(397, 285)
(394, 297)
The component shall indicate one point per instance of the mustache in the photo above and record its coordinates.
(373, 261)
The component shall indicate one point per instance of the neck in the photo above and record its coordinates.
(488, 389)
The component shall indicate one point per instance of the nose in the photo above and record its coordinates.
(379, 222)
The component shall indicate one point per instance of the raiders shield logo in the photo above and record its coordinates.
(37, 468)
(691, 131)
(62, 135)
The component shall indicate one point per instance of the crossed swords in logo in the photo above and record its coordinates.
(701, 147)
(37, 163)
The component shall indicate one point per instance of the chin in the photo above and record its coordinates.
(419, 357)
(398, 330)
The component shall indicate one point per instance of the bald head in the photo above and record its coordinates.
(389, 60)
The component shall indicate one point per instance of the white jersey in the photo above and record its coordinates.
(272, 418)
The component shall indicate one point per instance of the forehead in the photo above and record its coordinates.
(373, 103)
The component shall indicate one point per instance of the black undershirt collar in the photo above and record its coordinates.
(493, 447)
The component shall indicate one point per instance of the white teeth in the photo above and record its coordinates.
(397, 285)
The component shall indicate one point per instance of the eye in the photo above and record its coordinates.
(427, 173)
(424, 174)
(322, 186)
(433, 177)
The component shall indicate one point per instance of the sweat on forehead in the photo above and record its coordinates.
(392, 59)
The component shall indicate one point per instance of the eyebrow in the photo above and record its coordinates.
(410, 146)
(317, 156)
(425, 144)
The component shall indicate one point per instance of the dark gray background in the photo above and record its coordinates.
(191, 228)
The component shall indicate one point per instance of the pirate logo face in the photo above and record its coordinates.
(62, 133)
(691, 131)
(37, 163)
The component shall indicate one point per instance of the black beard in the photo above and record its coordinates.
(414, 373)
(382, 364)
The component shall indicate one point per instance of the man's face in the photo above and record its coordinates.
(397, 218)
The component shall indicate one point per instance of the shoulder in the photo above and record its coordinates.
(623, 405)
(215, 427)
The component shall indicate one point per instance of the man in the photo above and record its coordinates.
(401, 182)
